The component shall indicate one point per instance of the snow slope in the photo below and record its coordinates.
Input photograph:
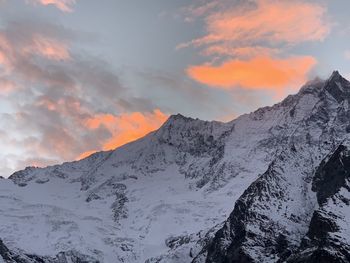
(122, 206)
(281, 216)
(167, 196)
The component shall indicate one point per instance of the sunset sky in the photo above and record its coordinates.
(79, 76)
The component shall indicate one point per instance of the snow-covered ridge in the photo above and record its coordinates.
(163, 197)
(281, 217)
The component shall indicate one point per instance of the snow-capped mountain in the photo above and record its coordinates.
(270, 186)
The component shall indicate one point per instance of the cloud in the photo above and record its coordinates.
(241, 52)
(247, 41)
(169, 90)
(21, 43)
(47, 47)
(7, 86)
(197, 10)
(268, 22)
(125, 127)
(68, 129)
(256, 73)
(56, 94)
(63, 5)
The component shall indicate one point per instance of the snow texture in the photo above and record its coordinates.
(191, 191)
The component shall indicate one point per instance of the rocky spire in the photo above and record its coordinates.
(338, 86)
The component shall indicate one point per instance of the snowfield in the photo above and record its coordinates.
(190, 191)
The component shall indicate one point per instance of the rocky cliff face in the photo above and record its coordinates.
(270, 186)
(20, 257)
(327, 239)
(297, 210)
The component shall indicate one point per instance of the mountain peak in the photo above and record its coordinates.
(338, 86)
(336, 77)
(178, 116)
(176, 119)
(185, 178)
(335, 74)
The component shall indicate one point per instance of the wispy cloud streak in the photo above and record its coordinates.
(63, 5)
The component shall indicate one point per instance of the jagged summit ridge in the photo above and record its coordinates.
(277, 218)
(163, 197)
(178, 121)
(338, 87)
(336, 77)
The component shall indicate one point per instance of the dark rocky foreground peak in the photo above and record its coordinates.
(325, 240)
(299, 209)
(338, 87)
(269, 186)
(249, 230)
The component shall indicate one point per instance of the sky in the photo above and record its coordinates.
(80, 76)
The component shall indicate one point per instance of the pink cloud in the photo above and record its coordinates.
(49, 48)
(7, 52)
(270, 21)
(7, 86)
(63, 5)
(11, 52)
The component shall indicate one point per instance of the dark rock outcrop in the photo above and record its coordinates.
(62, 257)
(298, 210)
(323, 242)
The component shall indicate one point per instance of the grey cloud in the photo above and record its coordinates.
(58, 97)
(168, 91)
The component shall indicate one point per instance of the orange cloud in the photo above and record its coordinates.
(256, 73)
(271, 21)
(250, 37)
(125, 128)
(84, 155)
(63, 5)
(107, 120)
